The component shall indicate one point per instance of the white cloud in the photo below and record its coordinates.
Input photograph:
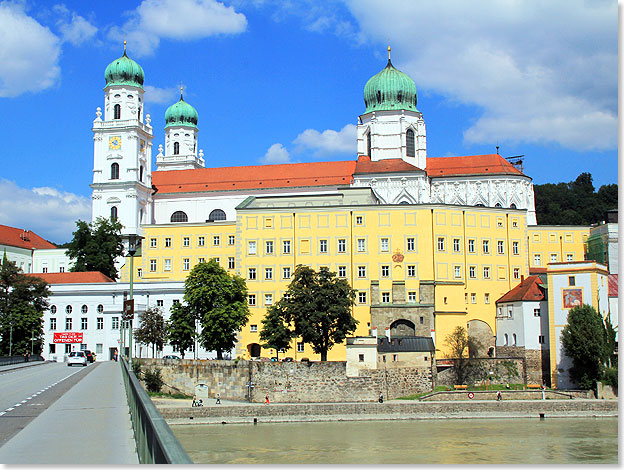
(29, 53)
(48, 212)
(541, 72)
(74, 28)
(177, 19)
(276, 154)
(161, 95)
(329, 142)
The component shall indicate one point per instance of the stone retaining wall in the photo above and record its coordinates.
(480, 368)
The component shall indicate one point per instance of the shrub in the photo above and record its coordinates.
(153, 380)
(136, 368)
(610, 377)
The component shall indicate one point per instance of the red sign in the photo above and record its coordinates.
(67, 337)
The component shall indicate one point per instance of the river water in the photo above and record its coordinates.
(425, 441)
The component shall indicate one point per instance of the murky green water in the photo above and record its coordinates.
(448, 441)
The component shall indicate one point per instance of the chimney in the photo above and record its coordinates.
(521, 278)
(373, 332)
(388, 333)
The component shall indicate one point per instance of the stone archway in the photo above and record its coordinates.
(254, 349)
(402, 327)
(481, 338)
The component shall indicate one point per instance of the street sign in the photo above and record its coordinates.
(128, 310)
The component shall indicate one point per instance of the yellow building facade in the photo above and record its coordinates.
(555, 244)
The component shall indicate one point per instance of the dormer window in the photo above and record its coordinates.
(115, 171)
(176, 148)
(410, 145)
(117, 111)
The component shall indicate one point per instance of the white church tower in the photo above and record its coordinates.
(391, 126)
(122, 155)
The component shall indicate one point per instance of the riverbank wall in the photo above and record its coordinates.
(257, 413)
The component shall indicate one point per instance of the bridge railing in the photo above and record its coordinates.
(8, 360)
(155, 441)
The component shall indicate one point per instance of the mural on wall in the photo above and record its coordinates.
(572, 298)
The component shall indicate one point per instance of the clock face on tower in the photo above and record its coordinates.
(114, 143)
(142, 145)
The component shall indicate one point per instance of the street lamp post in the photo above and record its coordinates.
(131, 252)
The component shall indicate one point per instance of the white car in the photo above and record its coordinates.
(77, 357)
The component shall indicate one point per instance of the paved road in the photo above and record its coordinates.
(87, 422)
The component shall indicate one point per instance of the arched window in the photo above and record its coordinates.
(176, 148)
(115, 171)
(216, 214)
(506, 339)
(498, 205)
(139, 114)
(114, 213)
(515, 342)
(179, 216)
(409, 141)
(117, 110)
(141, 173)
(368, 143)
(84, 309)
(513, 206)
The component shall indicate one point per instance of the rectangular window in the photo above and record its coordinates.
(472, 272)
(251, 247)
(286, 247)
(152, 265)
(342, 245)
(486, 247)
(253, 328)
(100, 323)
(499, 222)
(361, 271)
(216, 240)
(53, 323)
(473, 298)
(201, 260)
(501, 247)
(139, 272)
(115, 323)
(385, 271)
(268, 247)
(486, 272)
(201, 241)
(99, 348)
(231, 240)
(167, 265)
(322, 246)
(251, 299)
(411, 270)
(44, 270)
(68, 348)
(514, 223)
(457, 271)
(541, 339)
(231, 262)
(268, 299)
(300, 347)
(342, 271)
(411, 244)
(268, 274)
(537, 259)
(466, 298)
(52, 348)
(516, 273)
(68, 324)
(486, 298)
(160, 303)
(456, 247)
(153, 243)
(62, 269)
(537, 312)
(186, 264)
(571, 280)
(569, 257)
(411, 297)
(186, 241)
(286, 272)
(384, 244)
(168, 242)
(553, 257)
(385, 297)
(471, 246)
(83, 323)
(251, 274)
(440, 243)
(515, 246)
(361, 297)
(361, 357)
(359, 220)
(361, 245)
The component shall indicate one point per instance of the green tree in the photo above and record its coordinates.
(151, 330)
(23, 300)
(181, 328)
(95, 246)
(219, 302)
(458, 349)
(610, 358)
(584, 341)
(318, 305)
(275, 333)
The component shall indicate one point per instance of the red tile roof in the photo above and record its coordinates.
(529, 289)
(21, 238)
(613, 285)
(72, 278)
(391, 165)
(533, 270)
(470, 165)
(254, 177)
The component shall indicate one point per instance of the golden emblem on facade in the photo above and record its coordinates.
(397, 257)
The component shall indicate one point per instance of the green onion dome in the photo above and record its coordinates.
(181, 114)
(390, 90)
(124, 71)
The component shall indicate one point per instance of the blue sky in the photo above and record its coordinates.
(282, 81)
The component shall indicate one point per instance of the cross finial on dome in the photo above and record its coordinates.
(181, 91)
(389, 49)
(124, 44)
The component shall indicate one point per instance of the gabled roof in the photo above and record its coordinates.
(405, 344)
(613, 285)
(530, 288)
(254, 177)
(492, 164)
(86, 277)
(390, 165)
(21, 238)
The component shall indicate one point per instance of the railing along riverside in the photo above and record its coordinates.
(8, 360)
(155, 441)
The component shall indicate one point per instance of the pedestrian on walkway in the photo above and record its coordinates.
(218, 399)
(380, 397)
(544, 390)
(194, 400)
(499, 396)
(115, 354)
(266, 399)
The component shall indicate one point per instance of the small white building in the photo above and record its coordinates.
(19, 246)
